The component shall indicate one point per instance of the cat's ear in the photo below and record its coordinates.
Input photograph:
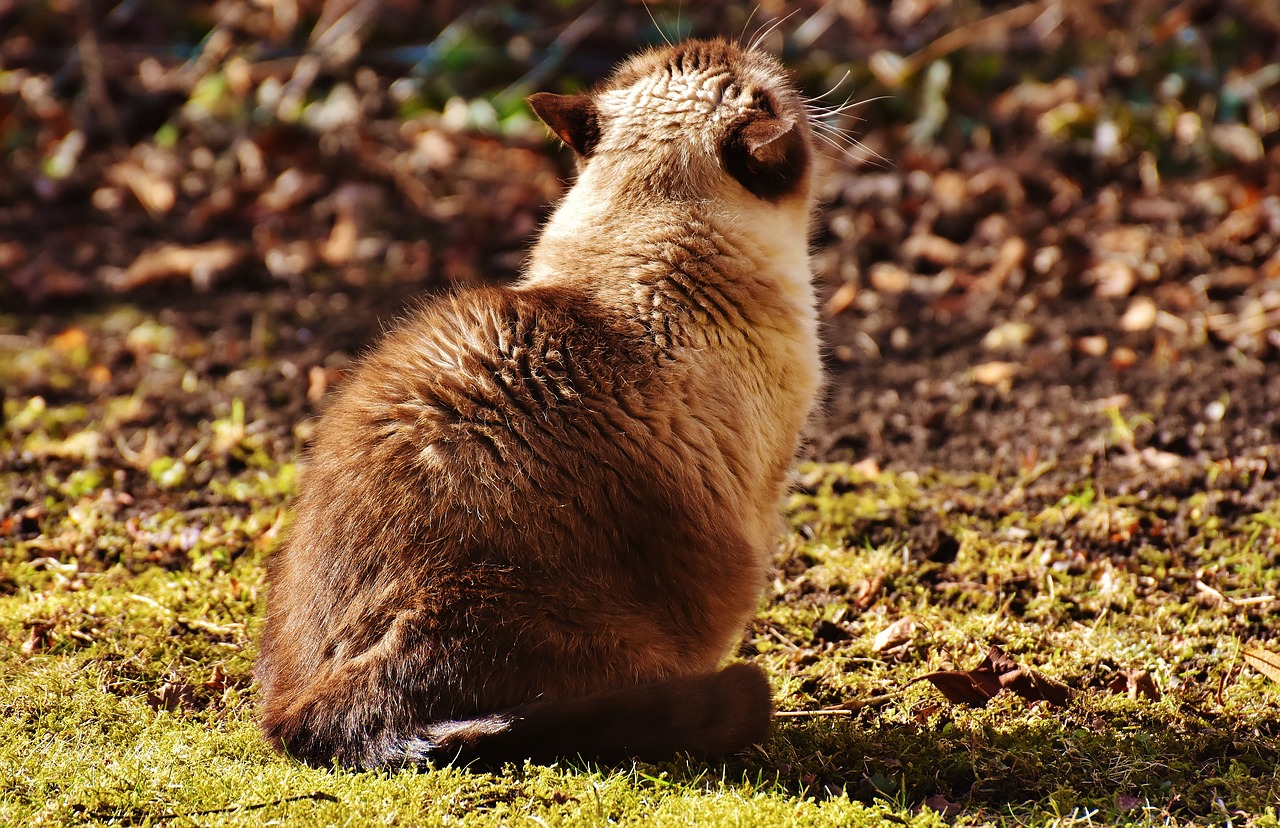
(572, 117)
(766, 154)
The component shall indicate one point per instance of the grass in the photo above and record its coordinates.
(131, 578)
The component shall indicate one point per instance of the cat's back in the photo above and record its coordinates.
(547, 510)
(509, 459)
(479, 402)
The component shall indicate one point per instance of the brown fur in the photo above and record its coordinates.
(538, 517)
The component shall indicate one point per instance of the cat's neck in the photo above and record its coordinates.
(602, 226)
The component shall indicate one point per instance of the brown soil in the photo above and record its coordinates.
(1017, 302)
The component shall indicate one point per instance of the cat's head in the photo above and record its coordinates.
(690, 119)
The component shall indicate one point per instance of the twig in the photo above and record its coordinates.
(95, 78)
(845, 709)
(316, 796)
(584, 25)
(893, 72)
(333, 42)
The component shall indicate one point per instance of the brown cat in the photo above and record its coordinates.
(539, 517)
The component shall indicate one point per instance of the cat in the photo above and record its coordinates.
(538, 517)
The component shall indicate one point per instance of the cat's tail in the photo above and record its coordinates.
(706, 716)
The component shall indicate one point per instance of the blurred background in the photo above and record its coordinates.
(1021, 200)
(1048, 262)
(274, 139)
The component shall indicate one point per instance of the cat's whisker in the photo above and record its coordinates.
(834, 86)
(654, 21)
(759, 38)
(843, 142)
(849, 105)
(745, 25)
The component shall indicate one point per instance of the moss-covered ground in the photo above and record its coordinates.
(127, 638)
(1050, 287)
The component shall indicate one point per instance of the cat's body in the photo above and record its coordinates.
(538, 517)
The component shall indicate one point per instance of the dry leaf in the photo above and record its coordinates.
(341, 244)
(1008, 335)
(868, 468)
(887, 277)
(218, 681)
(898, 634)
(996, 672)
(1135, 683)
(935, 250)
(171, 696)
(1010, 257)
(922, 715)
(841, 299)
(1140, 315)
(291, 188)
(69, 341)
(1264, 661)
(867, 592)
(972, 687)
(200, 263)
(40, 639)
(1127, 802)
(996, 373)
(154, 193)
(1034, 687)
(942, 805)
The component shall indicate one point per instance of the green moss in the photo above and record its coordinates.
(127, 642)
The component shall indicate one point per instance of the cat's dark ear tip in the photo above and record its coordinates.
(767, 155)
(573, 118)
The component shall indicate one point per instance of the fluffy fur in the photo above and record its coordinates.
(538, 518)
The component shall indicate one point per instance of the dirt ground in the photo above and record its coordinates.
(1049, 285)
(975, 323)
(1061, 269)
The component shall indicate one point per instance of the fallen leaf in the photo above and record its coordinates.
(841, 299)
(898, 634)
(341, 244)
(1112, 279)
(1135, 683)
(1264, 661)
(40, 639)
(996, 373)
(1238, 141)
(1010, 257)
(935, 250)
(291, 188)
(99, 374)
(218, 680)
(1127, 802)
(1140, 315)
(154, 193)
(70, 340)
(942, 805)
(1008, 335)
(922, 715)
(1123, 357)
(996, 672)
(868, 468)
(887, 277)
(1034, 687)
(171, 696)
(1094, 346)
(972, 687)
(868, 592)
(201, 263)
